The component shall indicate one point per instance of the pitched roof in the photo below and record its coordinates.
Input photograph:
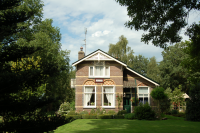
(115, 59)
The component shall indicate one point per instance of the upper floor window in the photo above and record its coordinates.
(99, 70)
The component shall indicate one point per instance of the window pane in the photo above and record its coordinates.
(140, 95)
(89, 99)
(108, 100)
(141, 100)
(89, 89)
(108, 89)
(145, 100)
(91, 71)
(143, 89)
(145, 95)
(98, 70)
(107, 71)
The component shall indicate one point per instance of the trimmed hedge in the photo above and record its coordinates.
(122, 112)
(74, 116)
(105, 117)
(118, 117)
(130, 116)
(89, 116)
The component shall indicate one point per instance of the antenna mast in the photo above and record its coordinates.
(85, 39)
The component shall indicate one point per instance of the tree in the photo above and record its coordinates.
(171, 72)
(193, 104)
(176, 97)
(153, 71)
(162, 19)
(120, 50)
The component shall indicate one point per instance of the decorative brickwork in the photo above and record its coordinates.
(108, 82)
(143, 84)
(89, 82)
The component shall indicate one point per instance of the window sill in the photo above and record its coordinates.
(87, 107)
(108, 106)
(104, 77)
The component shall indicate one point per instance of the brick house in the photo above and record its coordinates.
(101, 77)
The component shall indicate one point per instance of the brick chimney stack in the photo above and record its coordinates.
(81, 54)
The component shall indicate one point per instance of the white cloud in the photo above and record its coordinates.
(100, 33)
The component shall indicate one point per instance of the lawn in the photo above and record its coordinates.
(172, 125)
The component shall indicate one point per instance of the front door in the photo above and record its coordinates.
(127, 103)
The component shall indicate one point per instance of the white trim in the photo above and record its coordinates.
(111, 58)
(110, 93)
(90, 92)
(143, 76)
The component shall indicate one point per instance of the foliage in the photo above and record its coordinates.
(72, 113)
(193, 104)
(144, 112)
(176, 97)
(105, 117)
(92, 111)
(121, 112)
(89, 116)
(158, 93)
(119, 99)
(98, 110)
(118, 117)
(74, 116)
(65, 106)
(83, 112)
(174, 112)
(134, 100)
(164, 105)
(153, 71)
(162, 19)
(129, 116)
(171, 71)
(111, 112)
(72, 105)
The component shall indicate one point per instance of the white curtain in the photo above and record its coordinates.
(88, 95)
(109, 96)
(99, 71)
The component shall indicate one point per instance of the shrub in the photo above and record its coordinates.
(92, 111)
(129, 116)
(103, 111)
(72, 113)
(193, 104)
(89, 116)
(121, 112)
(83, 113)
(98, 111)
(174, 112)
(111, 112)
(74, 116)
(105, 117)
(118, 117)
(72, 105)
(65, 106)
(144, 112)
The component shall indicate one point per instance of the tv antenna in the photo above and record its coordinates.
(85, 39)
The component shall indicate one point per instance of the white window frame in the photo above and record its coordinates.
(104, 71)
(111, 93)
(144, 93)
(95, 93)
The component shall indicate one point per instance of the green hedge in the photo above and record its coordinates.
(105, 117)
(118, 117)
(130, 116)
(122, 112)
(89, 116)
(74, 116)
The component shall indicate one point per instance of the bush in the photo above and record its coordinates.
(144, 112)
(122, 112)
(89, 116)
(129, 116)
(103, 111)
(174, 112)
(72, 105)
(83, 113)
(72, 113)
(105, 117)
(193, 104)
(118, 117)
(65, 106)
(74, 116)
(92, 111)
(111, 112)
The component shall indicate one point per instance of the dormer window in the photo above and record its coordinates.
(99, 70)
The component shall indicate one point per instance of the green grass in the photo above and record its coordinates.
(172, 125)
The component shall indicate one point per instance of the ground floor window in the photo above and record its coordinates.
(143, 94)
(89, 96)
(108, 97)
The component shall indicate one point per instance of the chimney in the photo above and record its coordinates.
(81, 54)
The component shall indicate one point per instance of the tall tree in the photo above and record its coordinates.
(171, 72)
(161, 18)
(153, 71)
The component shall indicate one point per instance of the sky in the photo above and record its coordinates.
(104, 20)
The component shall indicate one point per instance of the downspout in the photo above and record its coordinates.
(135, 91)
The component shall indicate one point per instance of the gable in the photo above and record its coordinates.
(98, 56)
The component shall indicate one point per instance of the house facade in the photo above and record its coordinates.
(101, 77)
